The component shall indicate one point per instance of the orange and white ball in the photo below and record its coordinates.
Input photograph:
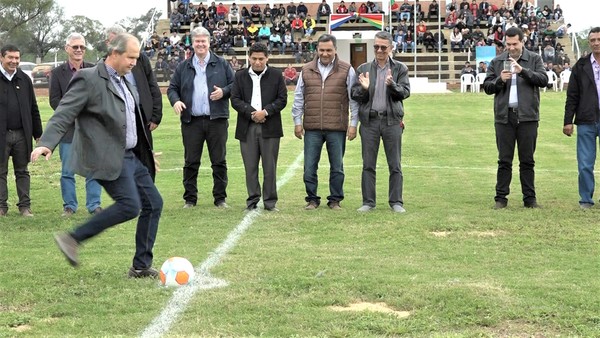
(176, 271)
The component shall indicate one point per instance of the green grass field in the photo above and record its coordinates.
(451, 266)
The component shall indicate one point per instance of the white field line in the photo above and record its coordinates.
(204, 281)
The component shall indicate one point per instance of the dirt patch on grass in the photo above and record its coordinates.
(21, 328)
(519, 329)
(488, 233)
(371, 307)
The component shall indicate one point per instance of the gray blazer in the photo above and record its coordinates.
(93, 105)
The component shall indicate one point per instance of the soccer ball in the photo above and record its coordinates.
(176, 271)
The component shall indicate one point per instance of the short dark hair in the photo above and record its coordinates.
(514, 31)
(593, 30)
(9, 48)
(258, 48)
(326, 38)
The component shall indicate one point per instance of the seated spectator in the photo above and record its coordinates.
(548, 53)
(429, 41)
(451, 19)
(173, 63)
(252, 31)
(297, 28)
(405, 11)
(246, 14)
(558, 13)
(211, 11)
(309, 26)
(290, 74)
(373, 7)
(563, 30)
(175, 21)
(234, 12)
(292, 11)
(408, 42)
(456, 40)
(302, 10)
(256, 13)
(238, 34)
(288, 40)
(267, 14)
(421, 30)
(499, 35)
(511, 23)
(235, 64)
(547, 13)
(467, 69)
(323, 11)
(275, 41)
(434, 10)
(264, 33)
(363, 9)
(342, 9)
(477, 34)
(281, 13)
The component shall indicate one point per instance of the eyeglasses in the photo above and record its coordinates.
(378, 47)
(77, 47)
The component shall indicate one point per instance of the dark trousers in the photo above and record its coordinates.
(266, 150)
(132, 191)
(16, 147)
(194, 134)
(370, 135)
(524, 134)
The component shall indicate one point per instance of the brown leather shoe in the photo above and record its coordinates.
(3, 212)
(335, 205)
(97, 211)
(312, 205)
(68, 212)
(26, 212)
(68, 245)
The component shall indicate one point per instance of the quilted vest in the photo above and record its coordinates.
(326, 104)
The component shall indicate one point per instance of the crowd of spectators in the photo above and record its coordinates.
(474, 23)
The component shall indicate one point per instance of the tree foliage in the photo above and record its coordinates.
(16, 13)
(138, 25)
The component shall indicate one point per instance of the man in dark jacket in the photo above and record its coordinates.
(514, 78)
(19, 123)
(111, 145)
(59, 80)
(380, 91)
(259, 95)
(583, 107)
(199, 93)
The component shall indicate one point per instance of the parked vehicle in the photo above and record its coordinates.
(41, 73)
(27, 67)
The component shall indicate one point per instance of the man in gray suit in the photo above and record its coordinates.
(111, 145)
(59, 80)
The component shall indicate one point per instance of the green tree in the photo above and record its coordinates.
(14, 14)
(43, 32)
(138, 26)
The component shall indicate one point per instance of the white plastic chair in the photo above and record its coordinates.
(552, 80)
(467, 80)
(564, 78)
(479, 81)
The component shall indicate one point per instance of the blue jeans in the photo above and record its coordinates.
(336, 147)
(586, 157)
(67, 184)
(132, 191)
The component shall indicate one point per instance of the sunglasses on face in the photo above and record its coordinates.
(382, 48)
(78, 47)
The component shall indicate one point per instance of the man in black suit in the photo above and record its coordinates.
(143, 79)
(19, 123)
(59, 80)
(259, 123)
(111, 144)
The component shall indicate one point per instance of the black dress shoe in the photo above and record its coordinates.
(500, 205)
(532, 205)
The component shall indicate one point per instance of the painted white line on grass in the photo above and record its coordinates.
(204, 281)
